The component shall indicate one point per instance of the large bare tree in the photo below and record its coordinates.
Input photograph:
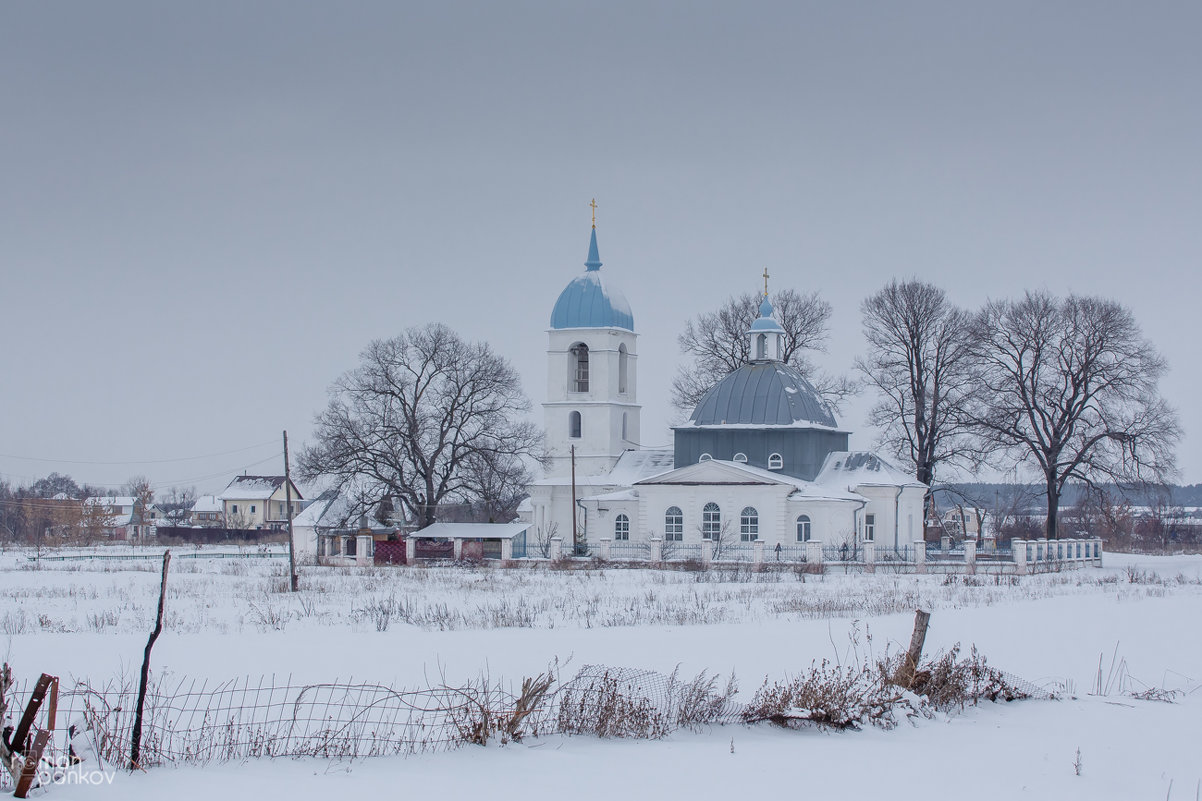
(417, 412)
(919, 361)
(1071, 385)
(715, 343)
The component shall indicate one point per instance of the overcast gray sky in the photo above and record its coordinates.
(207, 210)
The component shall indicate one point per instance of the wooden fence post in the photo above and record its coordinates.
(135, 746)
(904, 677)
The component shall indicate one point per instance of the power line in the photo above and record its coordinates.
(218, 474)
(138, 461)
(174, 482)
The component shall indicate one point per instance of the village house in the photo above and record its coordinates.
(251, 502)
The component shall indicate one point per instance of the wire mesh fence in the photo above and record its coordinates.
(191, 722)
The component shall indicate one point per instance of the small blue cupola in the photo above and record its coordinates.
(766, 338)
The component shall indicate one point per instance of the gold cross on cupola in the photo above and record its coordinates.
(765, 282)
(593, 203)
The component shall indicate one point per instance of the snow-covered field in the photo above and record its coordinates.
(412, 627)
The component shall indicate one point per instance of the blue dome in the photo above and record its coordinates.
(763, 394)
(588, 303)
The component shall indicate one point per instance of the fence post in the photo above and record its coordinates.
(814, 552)
(945, 543)
(556, 549)
(363, 549)
(1018, 550)
(920, 556)
(410, 550)
(657, 550)
(506, 550)
(757, 552)
(970, 556)
(869, 548)
(707, 552)
(1097, 551)
(606, 549)
(457, 548)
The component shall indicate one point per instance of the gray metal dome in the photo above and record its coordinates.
(763, 394)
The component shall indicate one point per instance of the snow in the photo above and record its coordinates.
(1051, 629)
(862, 469)
(253, 488)
(207, 503)
(330, 512)
(631, 466)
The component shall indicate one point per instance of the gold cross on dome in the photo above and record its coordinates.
(765, 282)
(593, 203)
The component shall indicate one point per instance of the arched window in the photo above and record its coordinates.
(761, 346)
(574, 425)
(749, 524)
(579, 366)
(803, 528)
(705, 457)
(673, 524)
(621, 527)
(623, 367)
(740, 457)
(711, 522)
(775, 462)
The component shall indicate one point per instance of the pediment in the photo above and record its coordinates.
(714, 472)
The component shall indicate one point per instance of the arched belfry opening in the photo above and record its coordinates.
(579, 367)
(623, 368)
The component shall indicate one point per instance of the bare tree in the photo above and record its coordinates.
(720, 540)
(407, 421)
(1071, 385)
(142, 491)
(543, 535)
(919, 361)
(1162, 521)
(715, 343)
(177, 503)
(495, 484)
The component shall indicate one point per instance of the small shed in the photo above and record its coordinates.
(469, 541)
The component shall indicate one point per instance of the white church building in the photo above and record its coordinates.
(762, 458)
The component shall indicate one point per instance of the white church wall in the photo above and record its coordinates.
(897, 518)
(831, 522)
(768, 500)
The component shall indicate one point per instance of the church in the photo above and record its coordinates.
(761, 459)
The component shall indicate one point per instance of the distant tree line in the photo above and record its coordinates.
(53, 509)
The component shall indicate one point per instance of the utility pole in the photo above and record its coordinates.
(294, 579)
(573, 500)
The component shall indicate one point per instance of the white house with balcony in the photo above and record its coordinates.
(251, 502)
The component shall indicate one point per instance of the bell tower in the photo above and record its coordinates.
(592, 374)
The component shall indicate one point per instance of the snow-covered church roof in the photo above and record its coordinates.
(632, 466)
(862, 469)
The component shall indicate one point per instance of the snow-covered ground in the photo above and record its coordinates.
(230, 617)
